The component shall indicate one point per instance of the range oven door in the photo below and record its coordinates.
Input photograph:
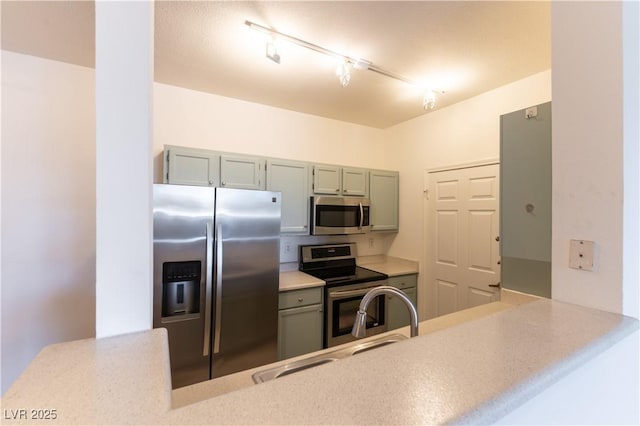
(339, 215)
(342, 305)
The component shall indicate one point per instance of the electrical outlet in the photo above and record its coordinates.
(371, 242)
(581, 255)
(287, 247)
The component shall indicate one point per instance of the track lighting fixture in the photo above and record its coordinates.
(343, 71)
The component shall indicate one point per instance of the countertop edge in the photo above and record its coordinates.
(493, 410)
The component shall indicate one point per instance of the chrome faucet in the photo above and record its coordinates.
(359, 329)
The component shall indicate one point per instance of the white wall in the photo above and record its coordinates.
(466, 132)
(588, 147)
(124, 115)
(48, 207)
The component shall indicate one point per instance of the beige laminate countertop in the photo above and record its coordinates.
(514, 354)
(392, 266)
(296, 280)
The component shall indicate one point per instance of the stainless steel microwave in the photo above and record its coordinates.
(339, 215)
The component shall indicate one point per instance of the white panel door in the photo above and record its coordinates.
(463, 226)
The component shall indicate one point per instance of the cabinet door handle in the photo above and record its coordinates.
(300, 299)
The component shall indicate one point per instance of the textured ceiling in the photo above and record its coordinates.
(463, 48)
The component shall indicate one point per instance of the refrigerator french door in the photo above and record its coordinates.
(216, 271)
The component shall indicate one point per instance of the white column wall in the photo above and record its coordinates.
(588, 151)
(124, 86)
(631, 161)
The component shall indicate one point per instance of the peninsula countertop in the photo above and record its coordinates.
(474, 372)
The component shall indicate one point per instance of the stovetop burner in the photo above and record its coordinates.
(335, 264)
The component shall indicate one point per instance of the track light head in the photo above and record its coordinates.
(343, 73)
(272, 51)
(429, 100)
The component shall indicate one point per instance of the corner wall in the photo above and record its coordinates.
(48, 207)
(462, 133)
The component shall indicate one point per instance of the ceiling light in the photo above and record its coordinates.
(272, 50)
(342, 72)
(429, 100)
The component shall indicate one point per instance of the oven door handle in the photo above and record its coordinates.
(350, 293)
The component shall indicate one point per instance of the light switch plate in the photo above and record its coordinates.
(581, 255)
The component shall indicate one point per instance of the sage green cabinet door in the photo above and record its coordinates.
(299, 331)
(355, 182)
(384, 197)
(291, 178)
(327, 180)
(190, 166)
(242, 172)
(397, 312)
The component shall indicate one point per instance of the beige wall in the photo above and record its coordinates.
(202, 120)
(48, 207)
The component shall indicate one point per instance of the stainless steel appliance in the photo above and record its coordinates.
(339, 215)
(346, 285)
(216, 272)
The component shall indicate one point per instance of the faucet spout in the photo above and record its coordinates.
(359, 329)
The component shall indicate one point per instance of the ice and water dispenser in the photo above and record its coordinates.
(181, 288)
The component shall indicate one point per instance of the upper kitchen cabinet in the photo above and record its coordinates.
(190, 166)
(292, 179)
(336, 180)
(327, 180)
(242, 172)
(355, 182)
(384, 200)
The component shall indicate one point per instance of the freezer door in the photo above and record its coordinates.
(182, 236)
(245, 319)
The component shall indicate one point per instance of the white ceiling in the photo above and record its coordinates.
(462, 47)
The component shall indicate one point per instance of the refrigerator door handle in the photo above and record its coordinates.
(207, 307)
(218, 325)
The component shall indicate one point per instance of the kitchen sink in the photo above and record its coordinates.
(324, 358)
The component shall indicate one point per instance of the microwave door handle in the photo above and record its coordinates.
(361, 215)
(207, 307)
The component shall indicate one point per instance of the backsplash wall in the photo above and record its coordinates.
(367, 244)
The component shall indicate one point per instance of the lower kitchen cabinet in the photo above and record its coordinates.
(299, 322)
(398, 314)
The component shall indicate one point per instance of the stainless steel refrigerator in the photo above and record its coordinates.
(216, 270)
